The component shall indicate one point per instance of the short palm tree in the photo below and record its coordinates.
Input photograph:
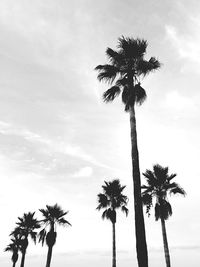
(127, 66)
(110, 200)
(14, 247)
(159, 187)
(53, 215)
(26, 227)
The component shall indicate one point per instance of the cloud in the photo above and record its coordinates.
(10, 129)
(49, 146)
(187, 43)
(84, 172)
(175, 101)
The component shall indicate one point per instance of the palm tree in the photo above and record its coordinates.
(125, 69)
(112, 199)
(14, 247)
(26, 227)
(53, 215)
(159, 187)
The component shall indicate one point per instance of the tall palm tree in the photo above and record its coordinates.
(14, 247)
(125, 69)
(110, 200)
(53, 215)
(159, 187)
(26, 227)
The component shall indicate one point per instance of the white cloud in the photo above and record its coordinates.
(50, 145)
(84, 172)
(187, 44)
(177, 102)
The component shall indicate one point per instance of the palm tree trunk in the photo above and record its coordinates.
(114, 247)
(141, 246)
(14, 263)
(23, 259)
(165, 243)
(49, 255)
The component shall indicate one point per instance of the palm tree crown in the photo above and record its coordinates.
(112, 199)
(15, 244)
(52, 215)
(14, 247)
(125, 69)
(158, 187)
(26, 226)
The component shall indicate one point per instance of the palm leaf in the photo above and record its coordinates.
(122, 82)
(125, 97)
(103, 201)
(147, 201)
(111, 93)
(144, 67)
(132, 48)
(125, 210)
(172, 176)
(114, 57)
(110, 215)
(107, 73)
(42, 235)
(177, 190)
(9, 248)
(150, 178)
(140, 94)
(33, 236)
(63, 222)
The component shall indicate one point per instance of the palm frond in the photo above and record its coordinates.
(147, 201)
(42, 235)
(130, 97)
(163, 210)
(103, 201)
(125, 97)
(111, 93)
(109, 214)
(150, 178)
(161, 173)
(115, 57)
(157, 212)
(122, 82)
(107, 73)
(63, 222)
(104, 214)
(155, 64)
(172, 176)
(44, 212)
(144, 67)
(125, 210)
(10, 247)
(132, 48)
(177, 190)
(140, 94)
(33, 236)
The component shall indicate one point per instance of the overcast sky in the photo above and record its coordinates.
(59, 141)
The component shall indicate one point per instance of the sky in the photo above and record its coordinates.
(59, 142)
